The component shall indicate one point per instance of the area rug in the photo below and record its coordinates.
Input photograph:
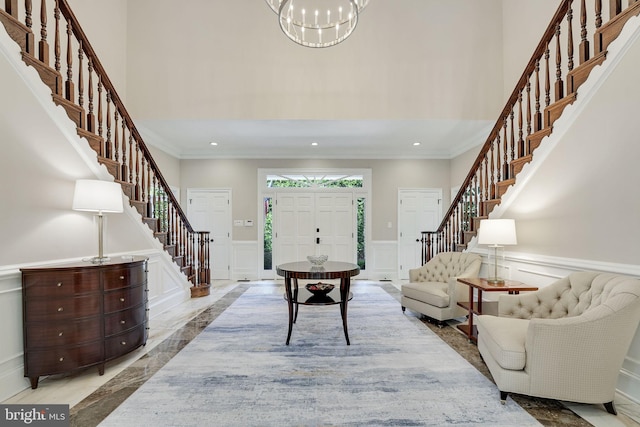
(239, 372)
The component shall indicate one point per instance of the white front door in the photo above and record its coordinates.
(335, 226)
(418, 210)
(314, 224)
(210, 210)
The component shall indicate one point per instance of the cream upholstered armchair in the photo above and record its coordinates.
(566, 341)
(433, 289)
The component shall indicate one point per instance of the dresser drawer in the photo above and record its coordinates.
(51, 334)
(65, 284)
(56, 309)
(123, 320)
(62, 359)
(115, 278)
(120, 344)
(123, 299)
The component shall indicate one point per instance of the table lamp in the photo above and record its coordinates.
(496, 233)
(101, 197)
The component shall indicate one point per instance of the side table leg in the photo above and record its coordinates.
(287, 289)
(345, 284)
(295, 299)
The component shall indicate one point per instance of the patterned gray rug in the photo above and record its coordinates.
(239, 372)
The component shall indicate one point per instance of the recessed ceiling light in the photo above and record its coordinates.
(314, 143)
(416, 144)
(214, 143)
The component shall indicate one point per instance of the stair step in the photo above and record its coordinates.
(75, 112)
(171, 250)
(112, 166)
(162, 236)
(141, 207)
(490, 204)
(503, 185)
(461, 247)
(518, 164)
(151, 222)
(48, 75)
(96, 142)
(468, 235)
(127, 188)
(554, 111)
(609, 31)
(579, 75)
(476, 221)
(179, 259)
(18, 31)
(535, 139)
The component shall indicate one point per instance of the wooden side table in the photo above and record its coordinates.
(475, 306)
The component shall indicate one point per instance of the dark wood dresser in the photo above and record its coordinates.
(82, 314)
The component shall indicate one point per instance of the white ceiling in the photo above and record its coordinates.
(353, 139)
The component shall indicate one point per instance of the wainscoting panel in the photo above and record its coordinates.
(244, 265)
(383, 260)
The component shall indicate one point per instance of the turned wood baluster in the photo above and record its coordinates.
(91, 118)
(11, 7)
(154, 199)
(520, 140)
(100, 110)
(485, 184)
(116, 140)
(584, 43)
(108, 152)
(615, 7)
(537, 121)
(526, 148)
(480, 181)
(149, 189)
(137, 190)
(547, 81)
(506, 173)
(43, 46)
(81, 82)
(492, 183)
(57, 49)
(69, 94)
(570, 37)
(476, 196)
(512, 135)
(28, 10)
(124, 169)
(143, 182)
(598, 6)
(559, 87)
(498, 159)
(130, 158)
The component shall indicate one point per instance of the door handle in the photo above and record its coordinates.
(317, 240)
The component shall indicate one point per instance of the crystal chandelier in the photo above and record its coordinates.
(318, 23)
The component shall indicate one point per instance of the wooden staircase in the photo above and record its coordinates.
(92, 103)
(529, 115)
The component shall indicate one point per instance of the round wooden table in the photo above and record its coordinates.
(305, 270)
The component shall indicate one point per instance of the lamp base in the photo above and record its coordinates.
(496, 281)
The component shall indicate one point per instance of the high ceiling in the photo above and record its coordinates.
(414, 71)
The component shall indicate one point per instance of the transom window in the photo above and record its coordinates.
(315, 181)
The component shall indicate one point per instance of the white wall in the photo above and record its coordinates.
(105, 24)
(229, 59)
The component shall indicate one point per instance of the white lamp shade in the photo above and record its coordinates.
(497, 232)
(97, 196)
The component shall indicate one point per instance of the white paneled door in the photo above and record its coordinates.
(418, 210)
(210, 210)
(314, 224)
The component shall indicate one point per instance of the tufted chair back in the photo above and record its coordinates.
(446, 265)
(575, 295)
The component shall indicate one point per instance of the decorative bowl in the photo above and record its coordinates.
(317, 259)
(319, 289)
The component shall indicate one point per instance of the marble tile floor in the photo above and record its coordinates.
(92, 397)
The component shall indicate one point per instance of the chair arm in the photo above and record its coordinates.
(579, 353)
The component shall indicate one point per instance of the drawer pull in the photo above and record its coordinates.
(60, 334)
(61, 359)
(121, 299)
(123, 342)
(122, 322)
(60, 309)
(121, 277)
(59, 284)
